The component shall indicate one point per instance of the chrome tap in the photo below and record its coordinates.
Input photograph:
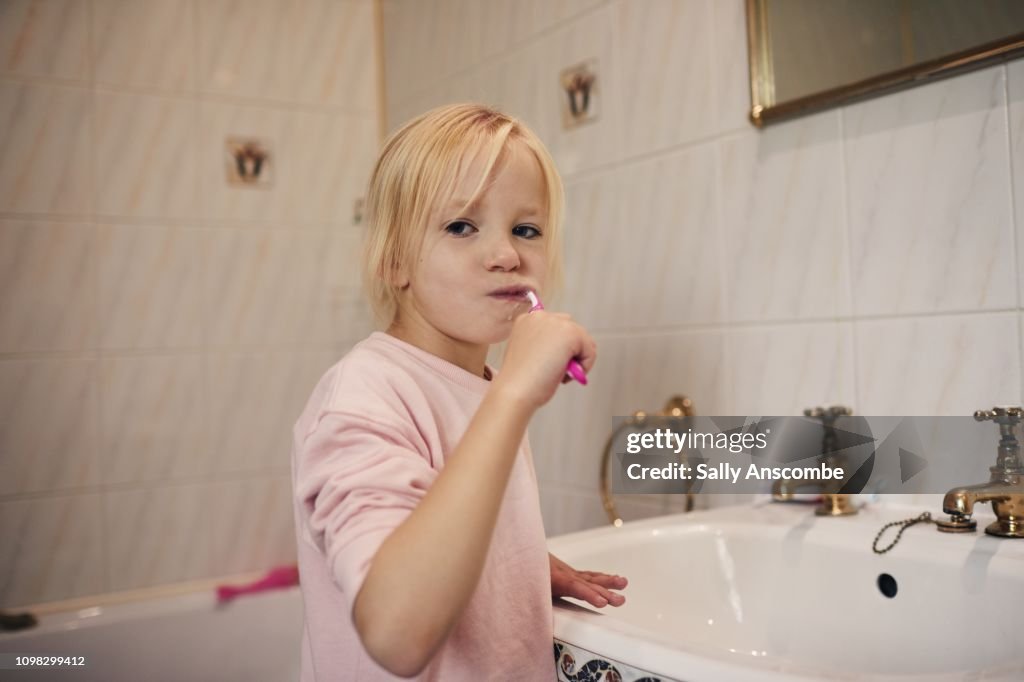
(833, 503)
(1004, 491)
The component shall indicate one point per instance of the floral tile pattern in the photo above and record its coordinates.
(575, 664)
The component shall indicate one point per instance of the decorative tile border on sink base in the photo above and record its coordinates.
(575, 664)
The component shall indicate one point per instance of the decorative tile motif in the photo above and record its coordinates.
(569, 661)
(580, 85)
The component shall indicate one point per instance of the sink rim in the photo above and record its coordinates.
(581, 625)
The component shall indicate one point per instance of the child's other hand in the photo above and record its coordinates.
(539, 348)
(593, 588)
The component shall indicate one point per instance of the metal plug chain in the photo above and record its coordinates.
(925, 517)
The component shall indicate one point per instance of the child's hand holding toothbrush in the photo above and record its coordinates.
(539, 349)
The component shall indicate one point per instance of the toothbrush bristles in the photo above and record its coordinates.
(533, 298)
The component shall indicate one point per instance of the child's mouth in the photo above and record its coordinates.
(516, 294)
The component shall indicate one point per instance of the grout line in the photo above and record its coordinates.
(848, 246)
(726, 307)
(254, 225)
(98, 306)
(1013, 226)
(212, 477)
(380, 56)
(117, 353)
(490, 60)
(203, 197)
(194, 95)
(782, 323)
(624, 162)
(1012, 175)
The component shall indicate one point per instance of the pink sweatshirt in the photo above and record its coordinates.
(369, 444)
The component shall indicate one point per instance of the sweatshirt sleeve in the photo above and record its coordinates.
(357, 481)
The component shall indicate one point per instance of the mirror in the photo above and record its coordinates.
(808, 55)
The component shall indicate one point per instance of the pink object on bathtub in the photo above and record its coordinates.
(276, 578)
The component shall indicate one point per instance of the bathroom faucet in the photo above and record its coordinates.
(1005, 490)
(833, 503)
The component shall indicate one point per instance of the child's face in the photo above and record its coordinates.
(467, 257)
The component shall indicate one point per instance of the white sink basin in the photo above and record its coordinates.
(774, 592)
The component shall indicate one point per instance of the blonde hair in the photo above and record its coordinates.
(419, 167)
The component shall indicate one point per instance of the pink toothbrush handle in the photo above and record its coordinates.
(574, 369)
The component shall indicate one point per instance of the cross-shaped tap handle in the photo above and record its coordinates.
(1002, 415)
(828, 414)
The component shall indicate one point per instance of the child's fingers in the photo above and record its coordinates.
(589, 355)
(595, 594)
(615, 582)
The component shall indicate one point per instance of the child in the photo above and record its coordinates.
(420, 542)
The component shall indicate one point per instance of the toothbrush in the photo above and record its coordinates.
(574, 368)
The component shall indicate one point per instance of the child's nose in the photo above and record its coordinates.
(502, 255)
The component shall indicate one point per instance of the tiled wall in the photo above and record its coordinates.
(867, 255)
(160, 329)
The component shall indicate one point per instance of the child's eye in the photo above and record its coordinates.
(460, 228)
(527, 231)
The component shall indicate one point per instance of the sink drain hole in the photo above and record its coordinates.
(887, 584)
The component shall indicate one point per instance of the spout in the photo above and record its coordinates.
(783, 489)
(960, 501)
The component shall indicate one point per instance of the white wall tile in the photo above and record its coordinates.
(331, 157)
(783, 216)
(145, 44)
(936, 366)
(517, 84)
(505, 24)
(243, 48)
(400, 18)
(51, 549)
(46, 145)
(929, 198)
(48, 410)
(146, 156)
(667, 242)
(663, 49)
(255, 399)
(545, 14)
(47, 286)
(252, 524)
(647, 370)
(594, 272)
(781, 370)
(569, 510)
(171, 80)
(157, 535)
(346, 316)
(426, 42)
(151, 286)
(410, 107)
(731, 82)
(1015, 87)
(591, 144)
(153, 418)
(333, 58)
(45, 39)
(265, 288)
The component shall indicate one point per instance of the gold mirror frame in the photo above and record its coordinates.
(764, 109)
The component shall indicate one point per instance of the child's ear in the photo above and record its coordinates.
(397, 276)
